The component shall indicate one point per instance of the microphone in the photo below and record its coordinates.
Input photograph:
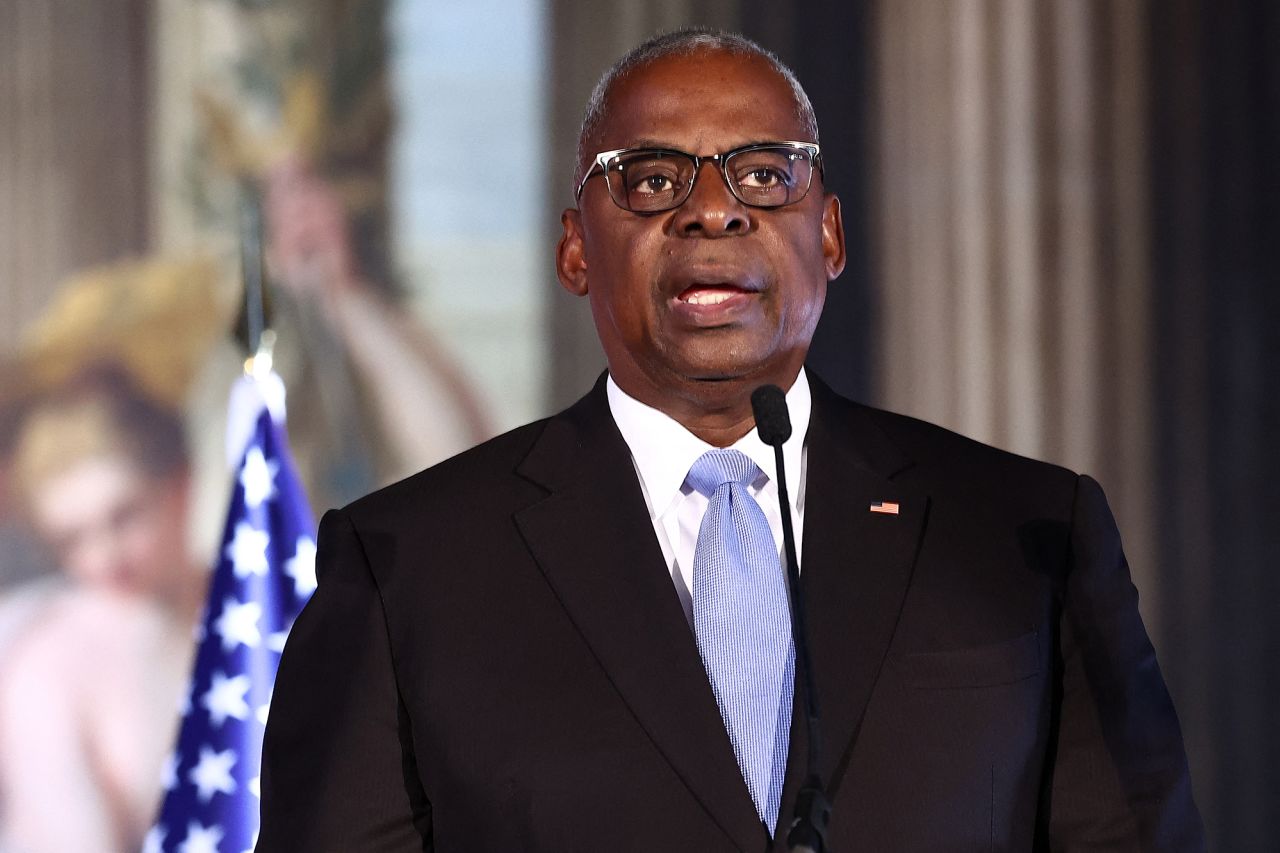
(773, 421)
(808, 833)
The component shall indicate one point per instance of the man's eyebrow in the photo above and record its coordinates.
(649, 142)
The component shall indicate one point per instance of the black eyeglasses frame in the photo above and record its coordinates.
(600, 166)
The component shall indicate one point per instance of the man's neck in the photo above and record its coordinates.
(717, 411)
(719, 429)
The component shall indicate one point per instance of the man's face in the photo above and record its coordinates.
(713, 290)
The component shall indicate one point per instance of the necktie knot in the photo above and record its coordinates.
(714, 468)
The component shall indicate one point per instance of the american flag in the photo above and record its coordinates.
(265, 573)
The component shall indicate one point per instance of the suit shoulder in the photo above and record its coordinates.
(928, 441)
(949, 463)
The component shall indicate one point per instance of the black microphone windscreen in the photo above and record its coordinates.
(773, 422)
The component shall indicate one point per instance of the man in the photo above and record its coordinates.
(524, 648)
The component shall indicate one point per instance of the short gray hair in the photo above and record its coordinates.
(684, 42)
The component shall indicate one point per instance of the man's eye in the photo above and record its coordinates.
(655, 184)
(763, 177)
(652, 183)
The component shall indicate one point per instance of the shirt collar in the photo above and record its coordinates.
(663, 450)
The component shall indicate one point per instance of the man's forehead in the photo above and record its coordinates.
(713, 97)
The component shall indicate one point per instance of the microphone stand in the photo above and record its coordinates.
(808, 833)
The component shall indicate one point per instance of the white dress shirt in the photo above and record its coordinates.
(663, 451)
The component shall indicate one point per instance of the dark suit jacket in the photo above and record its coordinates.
(496, 660)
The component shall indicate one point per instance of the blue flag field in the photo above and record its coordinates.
(264, 575)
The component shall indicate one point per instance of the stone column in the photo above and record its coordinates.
(73, 145)
(1013, 245)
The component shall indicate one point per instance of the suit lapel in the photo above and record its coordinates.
(855, 568)
(592, 538)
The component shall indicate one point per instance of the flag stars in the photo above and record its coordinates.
(154, 842)
(302, 567)
(201, 839)
(226, 698)
(258, 477)
(212, 775)
(247, 551)
(265, 571)
(276, 641)
(238, 624)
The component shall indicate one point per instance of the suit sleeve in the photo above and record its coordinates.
(1119, 777)
(337, 770)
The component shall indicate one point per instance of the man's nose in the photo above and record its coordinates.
(711, 210)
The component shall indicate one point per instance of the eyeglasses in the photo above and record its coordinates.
(653, 180)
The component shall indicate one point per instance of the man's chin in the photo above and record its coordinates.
(714, 378)
(733, 376)
(721, 367)
(722, 359)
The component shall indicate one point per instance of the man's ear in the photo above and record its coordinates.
(832, 236)
(571, 259)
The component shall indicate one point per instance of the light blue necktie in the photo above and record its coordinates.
(742, 622)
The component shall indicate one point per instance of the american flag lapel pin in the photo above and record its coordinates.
(885, 507)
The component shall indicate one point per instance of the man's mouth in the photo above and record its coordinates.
(703, 294)
(713, 304)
